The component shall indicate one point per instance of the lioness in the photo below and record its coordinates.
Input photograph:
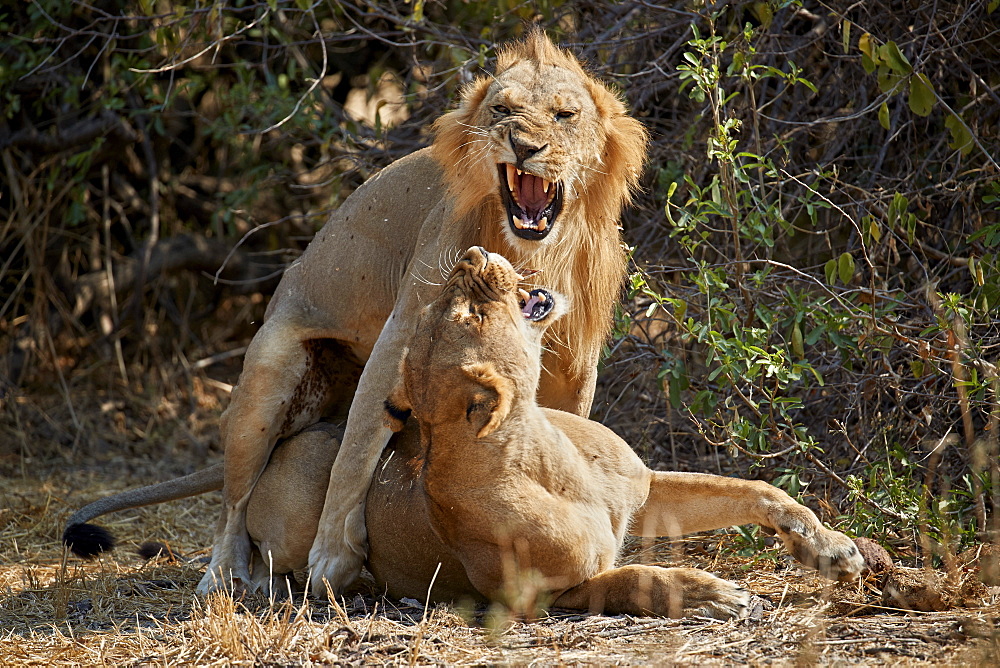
(494, 486)
(536, 163)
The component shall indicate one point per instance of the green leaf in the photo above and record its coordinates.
(921, 95)
(830, 269)
(892, 57)
(883, 115)
(960, 135)
(910, 224)
(845, 35)
(867, 63)
(874, 230)
(888, 81)
(897, 209)
(845, 268)
(797, 346)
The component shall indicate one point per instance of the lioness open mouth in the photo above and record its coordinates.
(537, 304)
(532, 202)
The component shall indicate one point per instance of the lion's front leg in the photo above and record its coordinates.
(341, 544)
(683, 503)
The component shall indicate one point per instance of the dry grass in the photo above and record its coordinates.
(124, 611)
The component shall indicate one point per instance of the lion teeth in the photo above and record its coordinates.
(545, 186)
(543, 223)
(518, 222)
(523, 295)
(510, 179)
(520, 171)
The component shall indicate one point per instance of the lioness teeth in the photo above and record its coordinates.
(543, 223)
(511, 183)
(523, 295)
(546, 184)
(518, 221)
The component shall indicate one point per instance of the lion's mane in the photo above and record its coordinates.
(588, 259)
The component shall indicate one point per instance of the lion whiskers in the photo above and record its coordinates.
(592, 169)
(482, 132)
(475, 157)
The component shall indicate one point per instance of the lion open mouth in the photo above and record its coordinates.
(537, 304)
(532, 203)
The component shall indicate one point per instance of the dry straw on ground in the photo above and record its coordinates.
(122, 610)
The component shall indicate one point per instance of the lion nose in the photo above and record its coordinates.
(524, 150)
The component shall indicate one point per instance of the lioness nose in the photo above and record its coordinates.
(523, 150)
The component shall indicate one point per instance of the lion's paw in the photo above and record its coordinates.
(831, 553)
(219, 576)
(332, 573)
(336, 561)
(707, 595)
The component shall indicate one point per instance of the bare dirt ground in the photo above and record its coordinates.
(122, 610)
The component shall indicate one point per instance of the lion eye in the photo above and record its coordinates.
(500, 110)
(565, 113)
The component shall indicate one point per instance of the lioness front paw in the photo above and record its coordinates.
(831, 553)
(336, 561)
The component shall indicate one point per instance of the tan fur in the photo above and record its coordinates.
(353, 296)
(519, 503)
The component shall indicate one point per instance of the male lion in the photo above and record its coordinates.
(536, 163)
(494, 488)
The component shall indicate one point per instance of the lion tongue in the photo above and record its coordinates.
(531, 195)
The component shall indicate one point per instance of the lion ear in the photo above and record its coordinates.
(495, 393)
(397, 408)
(397, 405)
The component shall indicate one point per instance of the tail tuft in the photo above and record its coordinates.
(154, 550)
(88, 540)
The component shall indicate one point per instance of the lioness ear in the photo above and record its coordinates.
(397, 404)
(498, 395)
(397, 408)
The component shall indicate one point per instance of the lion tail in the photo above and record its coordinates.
(89, 540)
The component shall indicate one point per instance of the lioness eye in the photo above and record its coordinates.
(565, 113)
(500, 110)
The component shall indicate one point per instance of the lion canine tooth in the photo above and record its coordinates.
(518, 222)
(520, 171)
(545, 185)
(510, 177)
(523, 295)
(543, 223)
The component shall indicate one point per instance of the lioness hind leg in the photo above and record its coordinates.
(652, 590)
